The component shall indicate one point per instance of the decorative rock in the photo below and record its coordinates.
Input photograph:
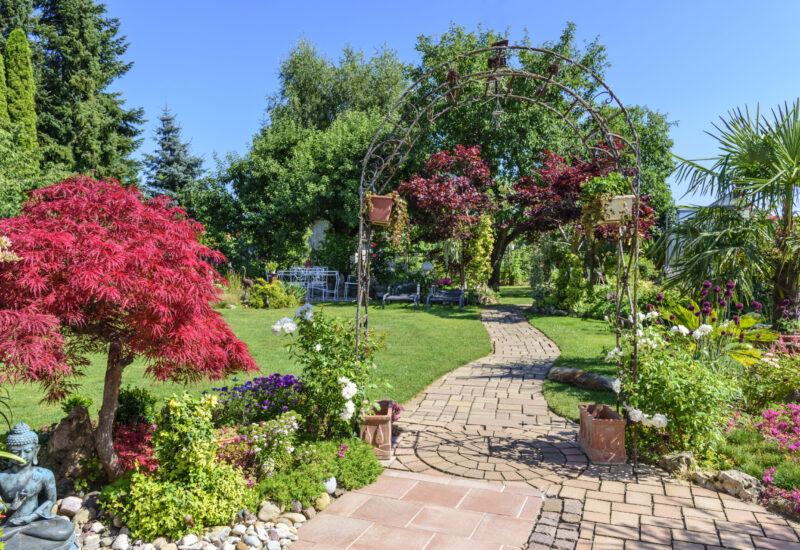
(108, 541)
(239, 530)
(148, 546)
(322, 502)
(228, 546)
(250, 518)
(338, 492)
(97, 527)
(121, 543)
(117, 523)
(703, 478)
(219, 533)
(251, 540)
(170, 546)
(272, 534)
(70, 506)
(309, 512)
(296, 518)
(160, 543)
(285, 521)
(268, 511)
(296, 506)
(241, 546)
(189, 540)
(273, 545)
(678, 462)
(330, 485)
(91, 539)
(740, 484)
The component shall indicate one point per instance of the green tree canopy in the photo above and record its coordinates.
(21, 89)
(4, 118)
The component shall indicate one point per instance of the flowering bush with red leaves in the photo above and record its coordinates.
(447, 199)
(782, 425)
(101, 269)
(133, 444)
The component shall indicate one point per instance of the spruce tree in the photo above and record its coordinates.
(172, 167)
(4, 119)
(16, 14)
(21, 91)
(82, 125)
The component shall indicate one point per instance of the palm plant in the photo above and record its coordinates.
(758, 169)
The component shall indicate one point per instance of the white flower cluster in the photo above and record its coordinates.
(658, 421)
(318, 347)
(613, 355)
(617, 386)
(306, 312)
(349, 390)
(682, 329)
(653, 315)
(348, 412)
(286, 325)
(702, 330)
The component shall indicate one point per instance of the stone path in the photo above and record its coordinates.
(489, 423)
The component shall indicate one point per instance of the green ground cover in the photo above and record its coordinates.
(746, 449)
(582, 343)
(519, 295)
(420, 347)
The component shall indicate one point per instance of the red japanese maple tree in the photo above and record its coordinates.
(449, 196)
(100, 270)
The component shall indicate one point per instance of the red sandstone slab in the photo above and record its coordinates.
(335, 531)
(388, 511)
(461, 523)
(437, 493)
(385, 537)
(392, 487)
(448, 542)
(481, 500)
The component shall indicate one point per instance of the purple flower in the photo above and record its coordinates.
(736, 320)
(728, 294)
(730, 285)
(723, 333)
(660, 297)
(691, 307)
(787, 301)
(713, 319)
(704, 293)
(723, 303)
(717, 289)
(757, 305)
(739, 306)
(671, 317)
(649, 307)
(706, 284)
(758, 336)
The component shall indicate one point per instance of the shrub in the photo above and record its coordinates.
(134, 446)
(271, 295)
(190, 490)
(335, 382)
(257, 400)
(75, 400)
(136, 405)
(303, 483)
(263, 448)
(769, 380)
(356, 464)
(687, 390)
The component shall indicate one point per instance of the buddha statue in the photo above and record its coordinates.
(27, 496)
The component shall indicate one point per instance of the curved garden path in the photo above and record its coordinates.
(482, 464)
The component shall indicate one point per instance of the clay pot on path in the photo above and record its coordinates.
(602, 434)
(376, 430)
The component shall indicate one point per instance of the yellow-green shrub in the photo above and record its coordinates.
(271, 295)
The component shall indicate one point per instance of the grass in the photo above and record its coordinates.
(748, 451)
(582, 343)
(519, 295)
(420, 347)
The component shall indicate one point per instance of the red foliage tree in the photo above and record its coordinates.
(101, 270)
(447, 199)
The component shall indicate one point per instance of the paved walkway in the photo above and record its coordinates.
(488, 422)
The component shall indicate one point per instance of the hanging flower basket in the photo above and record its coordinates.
(615, 208)
(602, 434)
(376, 430)
(380, 209)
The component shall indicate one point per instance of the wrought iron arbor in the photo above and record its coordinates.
(443, 89)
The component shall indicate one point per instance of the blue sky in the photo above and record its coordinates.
(214, 63)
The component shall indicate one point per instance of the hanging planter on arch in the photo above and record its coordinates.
(615, 208)
(380, 209)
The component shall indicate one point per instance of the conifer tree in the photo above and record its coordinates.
(82, 125)
(21, 91)
(172, 167)
(16, 14)
(4, 119)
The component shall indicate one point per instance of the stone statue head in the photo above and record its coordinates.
(23, 442)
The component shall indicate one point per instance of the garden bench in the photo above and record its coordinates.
(445, 296)
(402, 292)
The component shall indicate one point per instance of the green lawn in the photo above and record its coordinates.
(581, 342)
(516, 295)
(420, 347)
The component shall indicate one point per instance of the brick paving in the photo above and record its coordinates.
(488, 423)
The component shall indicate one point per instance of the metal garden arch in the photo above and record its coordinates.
(443, 89)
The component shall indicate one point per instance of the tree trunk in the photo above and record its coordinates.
(787, 275)
(503, 237)
(104, 438)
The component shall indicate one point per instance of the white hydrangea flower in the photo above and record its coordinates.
(305, 311)
(289, 326)
(318, 347)
(348, 412)
(635, 415)
(617, 386)
(613, 355)
(702, 330)
(349, 390)
(682, 329)
(276, 329)
(653, 315)
(659, 421)
(342, 380)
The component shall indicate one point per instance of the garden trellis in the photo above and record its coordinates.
(444, 88)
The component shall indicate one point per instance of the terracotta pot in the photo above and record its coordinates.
(381, 210)
(616, 209)
(602, 434)
(376, 430)
(273, 277)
